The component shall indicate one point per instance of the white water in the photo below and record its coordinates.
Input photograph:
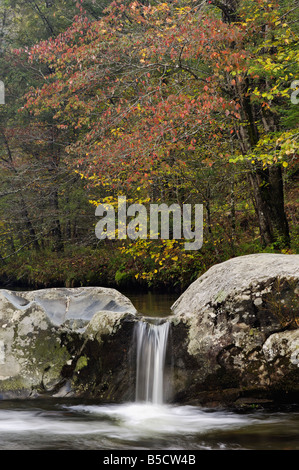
(148, 423)
(142, 426)
(151, 350)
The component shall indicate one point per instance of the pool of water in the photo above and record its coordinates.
(29, 425)
(73, 425)
(152, 304)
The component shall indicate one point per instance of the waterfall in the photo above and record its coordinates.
(151, 352)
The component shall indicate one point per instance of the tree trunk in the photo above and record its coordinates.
(23, 206)
(56, 231)
(267, 186)
(266, 183)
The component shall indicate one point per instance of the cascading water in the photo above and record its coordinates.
(151, 352)
(149, 422)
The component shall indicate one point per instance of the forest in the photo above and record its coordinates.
(177, 101)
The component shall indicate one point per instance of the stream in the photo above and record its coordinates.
(148, 423)
(137, 426)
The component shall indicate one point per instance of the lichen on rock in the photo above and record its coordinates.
(241, 320)
(46, 337)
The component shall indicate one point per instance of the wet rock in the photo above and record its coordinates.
(236, 329)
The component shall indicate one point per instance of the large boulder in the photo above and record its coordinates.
(235, 332)
(234, 338)
(65, 342)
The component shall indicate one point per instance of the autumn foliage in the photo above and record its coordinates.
(166, 100)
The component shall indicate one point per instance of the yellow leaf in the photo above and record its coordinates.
(285, 164)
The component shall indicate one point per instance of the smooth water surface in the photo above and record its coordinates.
(151, 303)
(138, 426)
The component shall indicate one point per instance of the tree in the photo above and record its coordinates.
(142, 85)
(36, 186)
(262, 99)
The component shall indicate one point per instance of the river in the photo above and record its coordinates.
(155, 304)
(65, 425)
(61, 424)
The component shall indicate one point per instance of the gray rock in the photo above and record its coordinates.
(235, 331)
(237, 276)
(64, 304)
(234, 338)
(59, 341)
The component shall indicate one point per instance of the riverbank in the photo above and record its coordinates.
(145, 266)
